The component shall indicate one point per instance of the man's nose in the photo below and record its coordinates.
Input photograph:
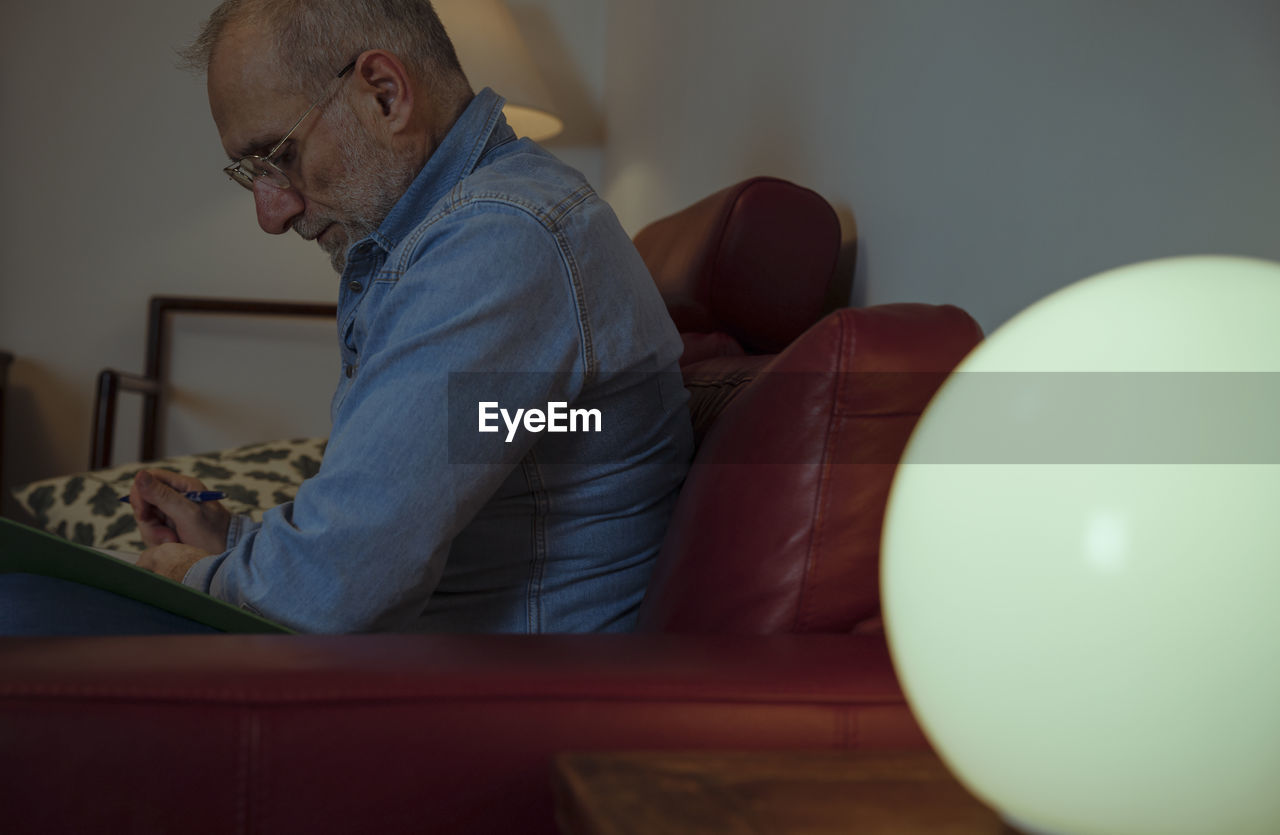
(277, 207)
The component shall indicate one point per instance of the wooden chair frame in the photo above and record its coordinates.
(151, 383)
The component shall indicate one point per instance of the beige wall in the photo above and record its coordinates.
(991, 150)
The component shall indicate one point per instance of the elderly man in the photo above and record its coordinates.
(485, 290)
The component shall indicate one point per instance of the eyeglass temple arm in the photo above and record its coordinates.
(303, 117)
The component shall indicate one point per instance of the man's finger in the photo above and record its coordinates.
(169, 502)
(159, 535)
(165, 515)
(153, 525)
(178, 481)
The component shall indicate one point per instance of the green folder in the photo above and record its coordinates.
(29, 551)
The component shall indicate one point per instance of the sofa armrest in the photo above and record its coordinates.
(399, 733)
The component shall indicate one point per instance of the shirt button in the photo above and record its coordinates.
(351, 371)
(355, 286)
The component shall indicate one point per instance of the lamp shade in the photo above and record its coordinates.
(1082, 556)
(493, 54)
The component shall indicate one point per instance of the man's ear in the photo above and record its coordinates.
(384, 79)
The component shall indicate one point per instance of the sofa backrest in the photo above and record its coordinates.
(745, 270)
(777, 528)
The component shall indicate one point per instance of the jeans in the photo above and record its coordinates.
(32, 604)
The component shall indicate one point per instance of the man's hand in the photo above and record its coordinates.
(171, 560)
(165, 516)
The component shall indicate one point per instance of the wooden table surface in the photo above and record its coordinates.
(777, 792)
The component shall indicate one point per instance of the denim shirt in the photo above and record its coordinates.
(500, 281)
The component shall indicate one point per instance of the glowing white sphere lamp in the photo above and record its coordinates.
(1081, 576)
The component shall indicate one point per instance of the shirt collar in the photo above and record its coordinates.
(480, 127)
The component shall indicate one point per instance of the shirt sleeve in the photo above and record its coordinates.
(486, 310)
(241, 526)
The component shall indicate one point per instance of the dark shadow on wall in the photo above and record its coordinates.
(29, 451)
(844, 291)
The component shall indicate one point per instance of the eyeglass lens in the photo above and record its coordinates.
(250, 169)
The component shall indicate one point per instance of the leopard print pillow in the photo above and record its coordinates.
(86, 507)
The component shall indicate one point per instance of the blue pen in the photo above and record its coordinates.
(196, 496)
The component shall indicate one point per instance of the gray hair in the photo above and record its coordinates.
(313, 39)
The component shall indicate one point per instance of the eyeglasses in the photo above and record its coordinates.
(248, 170)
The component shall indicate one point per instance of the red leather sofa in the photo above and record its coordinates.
(759, 632)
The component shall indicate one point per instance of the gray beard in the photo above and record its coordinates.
(373, 180)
